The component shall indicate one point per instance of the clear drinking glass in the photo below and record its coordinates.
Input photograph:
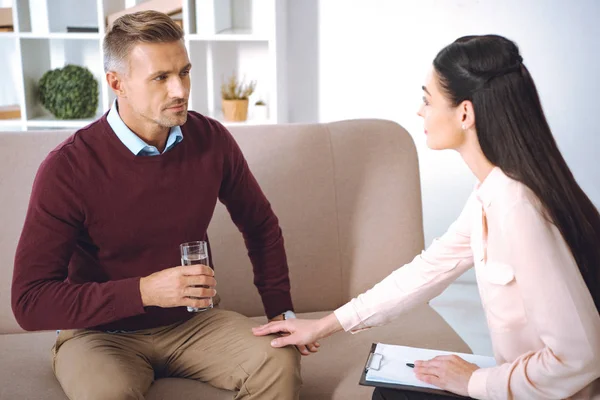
(194, 253)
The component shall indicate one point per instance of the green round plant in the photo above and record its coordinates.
(70, 92)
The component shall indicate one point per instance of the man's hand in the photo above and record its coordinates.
(191, 286)
(450, 373)
(305, 350)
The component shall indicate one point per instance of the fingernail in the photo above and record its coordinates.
(274, 342)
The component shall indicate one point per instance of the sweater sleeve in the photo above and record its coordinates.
(252, 214)
(42, 296)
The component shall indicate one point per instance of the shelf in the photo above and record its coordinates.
(42, 55)
(219, 117)
(10, 123)
(223, 37)
(54, 35)
(49, 121)
(230, 35)
(247, 16)
(248, 122)
(65, 13)
(249, 61)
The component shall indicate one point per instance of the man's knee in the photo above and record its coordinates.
(284, 360)
(277, 364)
(274, 374)
(93, 376)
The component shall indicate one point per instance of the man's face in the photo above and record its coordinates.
(157, 83)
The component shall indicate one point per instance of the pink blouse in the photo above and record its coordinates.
(544, 326)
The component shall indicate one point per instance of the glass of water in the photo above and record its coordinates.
(195, 253)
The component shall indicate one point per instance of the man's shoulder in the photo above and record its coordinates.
(76, 141)
(203, 124)
(75, 147)
(195, 117)
(207, 130)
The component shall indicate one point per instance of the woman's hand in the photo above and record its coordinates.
(299, 332)
(304, 350)
(450, 373)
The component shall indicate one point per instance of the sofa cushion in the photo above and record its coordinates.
(332, 373)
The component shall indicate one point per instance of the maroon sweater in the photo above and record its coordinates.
(99, 218)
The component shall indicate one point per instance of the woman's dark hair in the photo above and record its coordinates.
(514, 135)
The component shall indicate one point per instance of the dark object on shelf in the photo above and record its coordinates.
(70, 92)
(82, 29)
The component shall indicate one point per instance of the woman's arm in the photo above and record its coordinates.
(418, 281)
(413, 284)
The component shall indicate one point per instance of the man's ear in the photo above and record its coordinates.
(115, 83)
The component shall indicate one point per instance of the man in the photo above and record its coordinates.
(99, 252)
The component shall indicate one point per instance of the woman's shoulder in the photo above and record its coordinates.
(513, 195)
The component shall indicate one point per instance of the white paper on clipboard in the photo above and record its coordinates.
(392, 359)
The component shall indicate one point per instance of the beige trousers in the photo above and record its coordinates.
(216, 347)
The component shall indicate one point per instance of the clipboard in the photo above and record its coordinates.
(374, 359)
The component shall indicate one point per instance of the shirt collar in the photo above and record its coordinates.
(486, 190)
(132, 141)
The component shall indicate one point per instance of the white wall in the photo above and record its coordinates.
(372, 57)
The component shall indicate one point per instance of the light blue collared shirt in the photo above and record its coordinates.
(133, 142)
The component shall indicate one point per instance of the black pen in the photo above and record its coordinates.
(411, 365)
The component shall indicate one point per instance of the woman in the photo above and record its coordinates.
(529, 230)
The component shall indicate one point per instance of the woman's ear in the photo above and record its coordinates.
(466, 115)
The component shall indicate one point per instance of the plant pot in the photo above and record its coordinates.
(235, 110)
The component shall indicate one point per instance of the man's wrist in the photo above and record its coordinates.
(283, 316)
(289, 315)
(143, 295)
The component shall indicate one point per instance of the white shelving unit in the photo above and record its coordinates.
(223, 37)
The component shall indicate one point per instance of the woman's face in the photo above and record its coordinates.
(442, 121)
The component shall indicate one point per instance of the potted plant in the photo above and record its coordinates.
(69, 93)
(234, 96)
(260, 111)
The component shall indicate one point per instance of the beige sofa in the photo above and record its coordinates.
(348, 198)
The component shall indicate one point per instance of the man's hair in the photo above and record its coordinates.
(131, 29)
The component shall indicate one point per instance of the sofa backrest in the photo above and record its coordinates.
(347, 195)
